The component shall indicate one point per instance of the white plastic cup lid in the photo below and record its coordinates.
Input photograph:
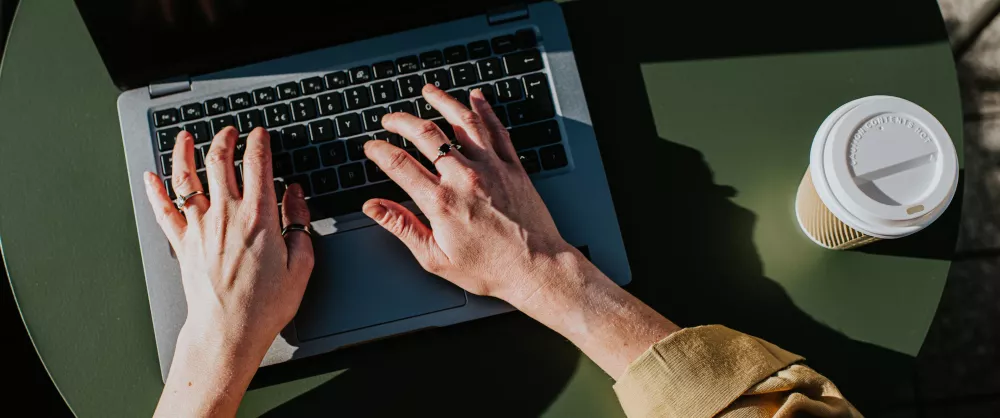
(884, 166)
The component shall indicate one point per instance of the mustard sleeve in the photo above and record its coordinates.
(714, 371)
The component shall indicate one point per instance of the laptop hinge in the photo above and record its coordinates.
(507, 14)
(168, 87)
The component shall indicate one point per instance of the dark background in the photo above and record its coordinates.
(952, 348)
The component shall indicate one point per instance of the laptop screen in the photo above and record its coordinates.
(143, 41)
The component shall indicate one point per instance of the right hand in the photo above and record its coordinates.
(489, 233)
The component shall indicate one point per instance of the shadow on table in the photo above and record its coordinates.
(693, 260)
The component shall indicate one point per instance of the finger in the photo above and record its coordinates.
(220, 166)
(184, 178)
(402, 223)
(300, 249)
(427, 137)
(469, 128)
(498, 136)
(170, 219)
(400, 166)
(258, 178)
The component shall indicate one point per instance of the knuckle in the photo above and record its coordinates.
(426, 130)
(259, 155)
(215, 157)
(397, 158)
(442, 197)
(469, 118)
(181, 180)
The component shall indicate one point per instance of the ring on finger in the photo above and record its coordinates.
(444, 149)
(295, 227)
(181, 202)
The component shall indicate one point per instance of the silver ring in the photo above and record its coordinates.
(295, 227)
(444, 149)
(182, 201)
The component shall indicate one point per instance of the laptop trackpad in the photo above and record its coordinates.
(367, 277)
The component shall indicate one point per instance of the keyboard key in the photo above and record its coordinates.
(330, 104)
(324, 181)
(357, 98)
(535, 135)
(333, 153)
(351, 175)
(240, 148)
(240, 101)
(356, 147)
(431, 59)
(405, 107)
(275, 141)
(302, 180)
(166, 164)
(312, 85)
(198, 130)
(374, 172)
(361, 74)
(408, 64)
(192, 111)
(446, 127)
(384, 91)
(384, 69)
(381, 136)
(166, 117)
(350, 201)
(306, 159)
(203, 178)
(525, 38)
(281, 164)
(462, 96)
(501, 113)
(263, 96)
(425, 110)
(165, 138)
(553, 157)
(277, 115)
(373, 118)
(455, 54)
(321, 130)
(489, 69)
(249, 120)
(222, 122)
(488, 92)
(529, 160)
(410, 86)
(396, 139)
(523, 62)
(199, 157)
(509, 90)
(170, 189)
(304, 109)
(479, 49)
(348, 125)
(503, 44)
(464, 74)
(279, 188)
(294, 137)
(537, 87)
(216, 106)
(289, 90)
(335, 80)
(439, 78)
(202, 152)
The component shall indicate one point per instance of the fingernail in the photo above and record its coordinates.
(368, 144)
(296, 190)
(148, 176)
(374, 210)
(478, 93)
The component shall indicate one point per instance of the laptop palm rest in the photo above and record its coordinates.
(367, 277)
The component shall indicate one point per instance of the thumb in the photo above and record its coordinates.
(300, 249)
(402, 223)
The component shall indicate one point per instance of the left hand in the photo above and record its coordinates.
(242, 280)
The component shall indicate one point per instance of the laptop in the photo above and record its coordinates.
(319, 76)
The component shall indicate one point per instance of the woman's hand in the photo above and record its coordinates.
(489, 229)
(242, 280)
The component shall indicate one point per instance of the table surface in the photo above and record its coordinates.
(718, 125)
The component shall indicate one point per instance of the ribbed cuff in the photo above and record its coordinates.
(697, 372)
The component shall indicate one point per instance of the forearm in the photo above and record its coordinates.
(607, 323)
(208, 376)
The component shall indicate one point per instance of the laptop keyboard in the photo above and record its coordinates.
(318, 125)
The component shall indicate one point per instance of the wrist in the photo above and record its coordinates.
(550, 274)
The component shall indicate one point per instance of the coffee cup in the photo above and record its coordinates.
(880, 167)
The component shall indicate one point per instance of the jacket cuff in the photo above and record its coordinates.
(697, 372)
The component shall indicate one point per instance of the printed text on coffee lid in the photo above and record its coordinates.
(878, 123)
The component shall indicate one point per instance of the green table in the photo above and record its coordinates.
(713, 105)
